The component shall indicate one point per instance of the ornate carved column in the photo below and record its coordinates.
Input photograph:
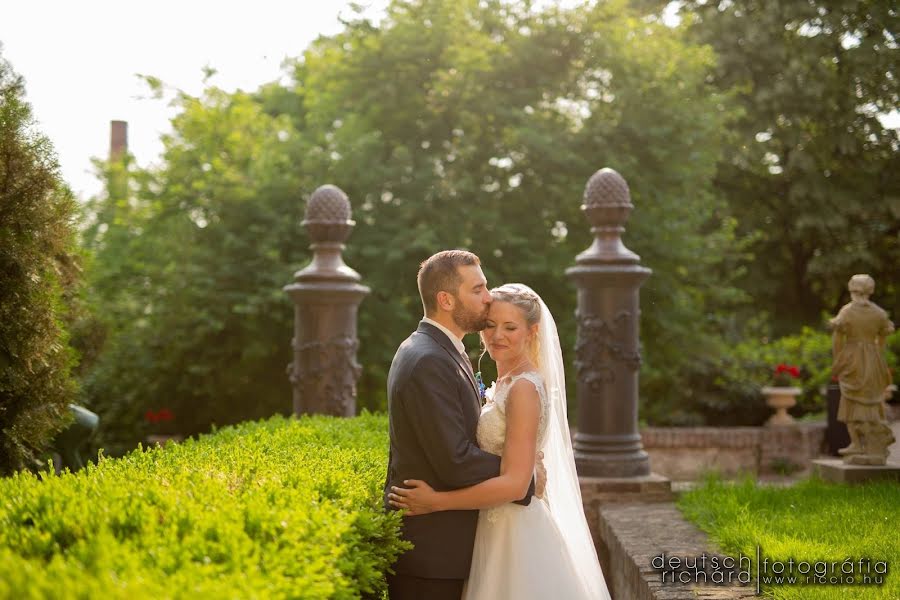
(326, 295)
(608, 276)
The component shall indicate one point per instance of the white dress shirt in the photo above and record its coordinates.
(457, 342)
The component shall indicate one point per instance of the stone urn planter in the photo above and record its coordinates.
(781, 399)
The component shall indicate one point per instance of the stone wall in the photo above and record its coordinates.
(640, 532)
(685, 453)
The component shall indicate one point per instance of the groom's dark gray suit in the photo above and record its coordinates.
(433, 408)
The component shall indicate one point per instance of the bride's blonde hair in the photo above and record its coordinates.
(530, 305)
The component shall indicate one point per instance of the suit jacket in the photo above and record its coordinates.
(433, 410)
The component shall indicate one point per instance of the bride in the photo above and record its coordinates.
(543, 550)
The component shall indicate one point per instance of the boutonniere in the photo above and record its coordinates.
(482, 390)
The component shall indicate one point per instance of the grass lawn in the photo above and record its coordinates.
(812, 521)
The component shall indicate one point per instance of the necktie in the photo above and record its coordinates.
(471, 373)
(468, 363)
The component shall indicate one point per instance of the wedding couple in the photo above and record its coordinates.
(463, 473)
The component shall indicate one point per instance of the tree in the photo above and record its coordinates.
(450, 124)
(188, 264)
(38, 264)
(813, 167)
(477, 124)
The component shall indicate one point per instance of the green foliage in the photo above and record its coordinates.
(38, 265)
(480, 123)
(279, 508)
(811, 166)
(810, 521)
(731, 395)
(751, 366)
(450, 124)
(187, 268)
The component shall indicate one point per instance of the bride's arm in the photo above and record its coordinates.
(516, 466)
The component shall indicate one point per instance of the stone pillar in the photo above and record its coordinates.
(608, 276)
(326, 295)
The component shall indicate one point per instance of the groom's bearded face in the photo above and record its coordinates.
(468, 320)
(472, 300)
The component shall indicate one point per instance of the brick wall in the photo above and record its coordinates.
(685, 453)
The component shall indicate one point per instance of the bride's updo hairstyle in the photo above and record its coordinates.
(530, 305)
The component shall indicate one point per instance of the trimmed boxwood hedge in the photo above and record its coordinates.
(283, 508)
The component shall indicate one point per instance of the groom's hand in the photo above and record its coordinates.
(540, 483)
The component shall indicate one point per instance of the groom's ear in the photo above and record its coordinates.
(445, 300)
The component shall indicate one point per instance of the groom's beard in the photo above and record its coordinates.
(470, 321)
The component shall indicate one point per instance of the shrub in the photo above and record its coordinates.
(752, 366)
(277, 508)
(728, 391)
(36, 265)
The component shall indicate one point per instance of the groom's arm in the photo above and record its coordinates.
(432, 403)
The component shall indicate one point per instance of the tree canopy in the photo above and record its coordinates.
(449, 124)
(812, 165)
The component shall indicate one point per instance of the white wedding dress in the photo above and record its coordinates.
(520, 551)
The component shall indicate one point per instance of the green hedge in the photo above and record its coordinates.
(279, 508)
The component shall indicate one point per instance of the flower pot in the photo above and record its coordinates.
(781, 399)
(161, 439)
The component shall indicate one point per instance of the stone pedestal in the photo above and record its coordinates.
(837, 471)
(326, 295)
(607, 350)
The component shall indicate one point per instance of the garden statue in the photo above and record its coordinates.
(860, 333)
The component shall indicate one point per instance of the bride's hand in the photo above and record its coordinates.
(540, 484)
(418, 499)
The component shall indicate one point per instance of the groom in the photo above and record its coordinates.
(433, 407)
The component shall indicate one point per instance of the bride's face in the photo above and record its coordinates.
(506, 334)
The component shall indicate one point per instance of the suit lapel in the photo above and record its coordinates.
(441, 338)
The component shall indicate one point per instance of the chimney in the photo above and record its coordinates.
(118, 139)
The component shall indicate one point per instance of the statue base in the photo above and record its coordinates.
(837, 471)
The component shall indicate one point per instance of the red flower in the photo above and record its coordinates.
(782, 369)
(164, 414)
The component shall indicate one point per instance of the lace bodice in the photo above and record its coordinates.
(491, 433)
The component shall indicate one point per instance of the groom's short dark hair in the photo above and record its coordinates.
(439, 273)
